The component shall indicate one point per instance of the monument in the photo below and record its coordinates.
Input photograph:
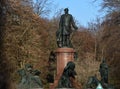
(64, 52)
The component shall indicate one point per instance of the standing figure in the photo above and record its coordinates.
(63, 34)
(104, 72)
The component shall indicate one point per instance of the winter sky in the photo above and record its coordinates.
(84, 11)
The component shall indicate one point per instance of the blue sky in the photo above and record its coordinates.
(83, 10)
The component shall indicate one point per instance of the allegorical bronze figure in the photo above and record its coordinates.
(65, 29)
(104, 71)
(92, 82)
(29, 78)
(69, 72)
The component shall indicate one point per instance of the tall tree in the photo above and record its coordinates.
(42, 7)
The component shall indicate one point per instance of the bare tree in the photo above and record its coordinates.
(42, 7)
(94, 27)
(111, 4)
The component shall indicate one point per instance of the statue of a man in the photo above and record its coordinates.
(104, 71)
(63, 34)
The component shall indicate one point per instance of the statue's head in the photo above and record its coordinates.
(66, 10)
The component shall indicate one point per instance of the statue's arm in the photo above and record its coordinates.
(73, 23)
(61, 22)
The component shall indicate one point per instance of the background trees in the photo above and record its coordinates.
(42, 7)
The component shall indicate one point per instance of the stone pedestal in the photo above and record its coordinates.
(64, 55)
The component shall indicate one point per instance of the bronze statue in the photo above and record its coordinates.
(51, 67)
(68, 72)
(92, 82)
(29, 78)
(35, 80)
(52, 57)
(65, 29)
(25, 78)
(104, 72)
